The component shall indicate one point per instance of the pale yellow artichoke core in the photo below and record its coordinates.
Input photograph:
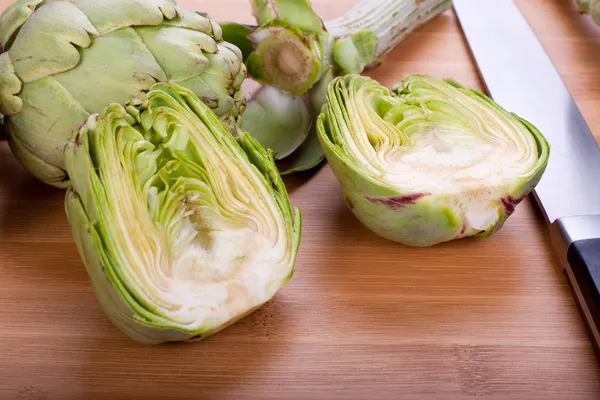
(447, 142)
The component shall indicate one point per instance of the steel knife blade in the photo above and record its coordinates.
(520, 76)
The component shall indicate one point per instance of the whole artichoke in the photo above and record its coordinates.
(65, 60)
(430, 161)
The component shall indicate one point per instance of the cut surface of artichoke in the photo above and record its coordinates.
(182, 227)
(430, 161)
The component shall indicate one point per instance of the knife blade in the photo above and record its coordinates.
(520, 76)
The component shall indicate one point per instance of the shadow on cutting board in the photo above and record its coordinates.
(468, 285)
(245, 354)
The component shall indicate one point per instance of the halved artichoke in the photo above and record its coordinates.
(183, 228)
(430, 162)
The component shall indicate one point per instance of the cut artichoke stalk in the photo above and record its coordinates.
(294, 51)
(183, 228)
(288, 43)
(429, 162)
(54, 71)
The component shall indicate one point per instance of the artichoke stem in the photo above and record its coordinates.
(390, 20)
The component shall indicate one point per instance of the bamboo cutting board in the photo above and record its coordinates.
(362, 317)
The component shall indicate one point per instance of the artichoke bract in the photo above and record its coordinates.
(182, 227)
(429, 161)
(64, 60)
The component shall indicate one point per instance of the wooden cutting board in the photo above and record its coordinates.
(362, 317)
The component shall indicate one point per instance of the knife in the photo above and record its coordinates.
(519, 75)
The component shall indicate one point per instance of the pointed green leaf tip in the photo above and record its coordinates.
(183, 229)
(298, 13)
(430, 161)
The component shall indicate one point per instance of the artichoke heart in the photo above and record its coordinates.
(429, 161)
(183, 228)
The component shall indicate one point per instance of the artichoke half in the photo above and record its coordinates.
(64, 60)
(430, 161)
(183, 228)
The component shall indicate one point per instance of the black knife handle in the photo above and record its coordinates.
(577, 243)
(583, 257)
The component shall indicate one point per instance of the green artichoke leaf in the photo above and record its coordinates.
(47, 117)
(64, 60)
(35, 54)
(121, 79)
(285, 124)
(13, 18)
(168, 43)
(295, 12)
(354, 53)
(278, 120)
(309, 154)
(182, 227)
(237, 34)
(10, 86)
(111, 15)
(196, 21)
(430, 161)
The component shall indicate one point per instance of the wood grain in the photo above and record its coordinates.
(362, 317)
